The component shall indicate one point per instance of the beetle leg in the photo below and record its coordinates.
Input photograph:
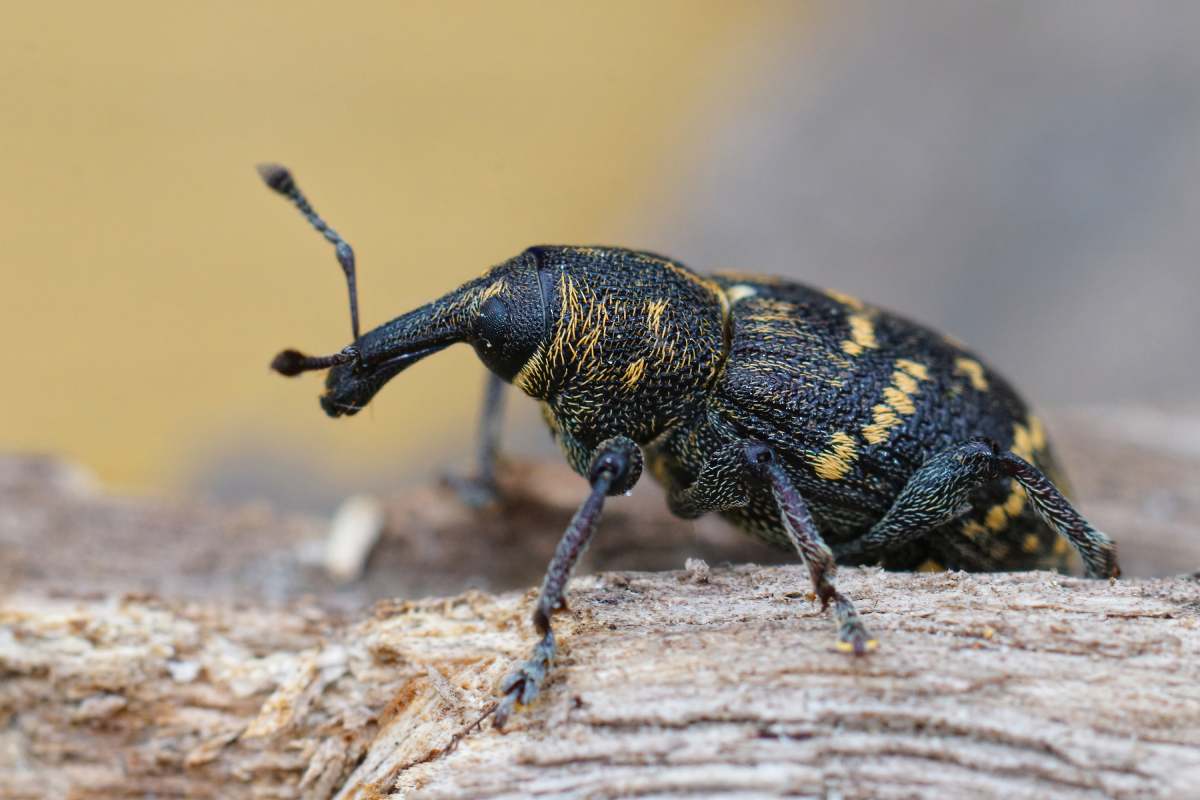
(718, 487)
(935, 494)
(1098, 551)
(489, 430)
(615, 468)
(798, 522)
(940, 491)
(480, 489)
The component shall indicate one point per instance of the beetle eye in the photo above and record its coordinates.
(503, 332)
(493, 322)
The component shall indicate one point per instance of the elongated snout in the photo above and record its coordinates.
(383, 353)
(501, 313)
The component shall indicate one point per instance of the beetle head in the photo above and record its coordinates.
(499, 314)
(616, 341)
(502, 314)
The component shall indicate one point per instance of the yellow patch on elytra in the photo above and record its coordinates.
(929, 565)
(834, 463)
(862, 335)
(904, 382)
(998, 516)
(913, 368)
(1015, 502)
(883, 417)
(1022, 443)
(847, 300)
(634, 373)
(780, 312)
(1031, 543)
(996, 520)
(1037, 433)
(899, 399)
(973, 371)
(1061, 546)
(973, 530)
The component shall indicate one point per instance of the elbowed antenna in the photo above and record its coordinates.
(279, 179)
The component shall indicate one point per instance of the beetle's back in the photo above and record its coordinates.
(855, 399)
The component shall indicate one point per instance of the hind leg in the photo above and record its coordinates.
(940, 492)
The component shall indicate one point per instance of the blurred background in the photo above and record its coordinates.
(1022, 175)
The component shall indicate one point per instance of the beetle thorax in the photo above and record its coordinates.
(634, 344)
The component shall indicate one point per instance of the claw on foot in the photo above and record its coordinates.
(859, 644)
(852, 634)
(522, 685)
(503, 709)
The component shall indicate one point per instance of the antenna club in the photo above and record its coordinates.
(277, 177)
(289, 363)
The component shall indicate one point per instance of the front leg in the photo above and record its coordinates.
(615, 468)
(480, 489)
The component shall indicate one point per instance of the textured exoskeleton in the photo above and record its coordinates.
(804, 416)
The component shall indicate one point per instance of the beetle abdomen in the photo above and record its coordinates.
(855, 399)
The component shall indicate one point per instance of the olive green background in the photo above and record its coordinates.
(149, 278)
(1020, 174)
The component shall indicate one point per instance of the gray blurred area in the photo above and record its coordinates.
(1025, 176)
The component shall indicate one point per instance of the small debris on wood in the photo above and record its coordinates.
(697, 569)
(355, 530)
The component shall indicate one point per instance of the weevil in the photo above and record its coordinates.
(807, 417)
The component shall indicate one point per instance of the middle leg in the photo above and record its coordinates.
(802, 530)
(722, 486)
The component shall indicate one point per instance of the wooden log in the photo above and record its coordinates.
(670, 683)
(179, 649)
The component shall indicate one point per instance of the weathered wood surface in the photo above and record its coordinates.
(155, 649)
(987, 686)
